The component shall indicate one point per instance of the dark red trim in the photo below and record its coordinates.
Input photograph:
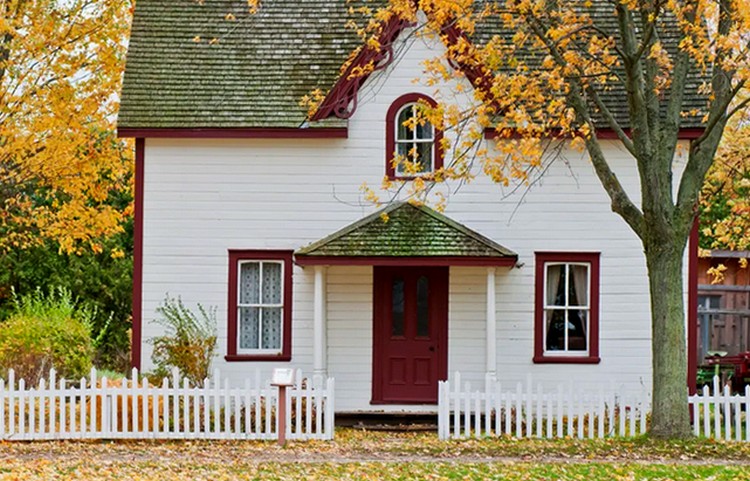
(692, 309)
(390, 133)
(286, 344)
(136, 335)
(480, 77)
(405, 261)
(593, 259)
(609, 134)
(235, 133)
(344, 92)
(566, 360)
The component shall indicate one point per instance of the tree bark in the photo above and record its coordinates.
(664, 258)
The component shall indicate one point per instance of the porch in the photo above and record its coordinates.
(396, 306)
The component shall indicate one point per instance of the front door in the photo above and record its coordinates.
(410, 343)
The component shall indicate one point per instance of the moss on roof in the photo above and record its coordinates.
(405, 230)
(261, 65)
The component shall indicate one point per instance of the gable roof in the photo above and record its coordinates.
(262, 64)
(253, 76)
(403, 230)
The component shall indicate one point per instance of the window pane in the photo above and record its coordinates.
(577, 330)
(271, 283)
(249, 282)
(555, 323)
(556, 285)
(423, 306)
(271, 338)
(397, 307)
(424, 156)
(424, 131)
(404, 132)
(248, 327)
(578, 287)
(402, 149)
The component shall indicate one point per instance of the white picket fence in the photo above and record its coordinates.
(97, 408)
(529, 411)
(717, 413)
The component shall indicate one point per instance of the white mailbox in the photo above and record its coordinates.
(282, 377)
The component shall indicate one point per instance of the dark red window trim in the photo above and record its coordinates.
(390, 134)
(235, 256)
(593, 355)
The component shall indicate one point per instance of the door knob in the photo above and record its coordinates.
(432, 348)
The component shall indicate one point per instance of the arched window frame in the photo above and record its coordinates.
(391, 129)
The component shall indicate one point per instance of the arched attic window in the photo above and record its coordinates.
(421, 146)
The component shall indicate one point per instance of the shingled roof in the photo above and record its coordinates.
(403, 230)
(253, 75)
(212, 64)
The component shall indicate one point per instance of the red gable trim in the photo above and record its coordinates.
(346, 88)
(137, 307)
(235, 133)
(476, 261)
(344, 92)
(609, 134)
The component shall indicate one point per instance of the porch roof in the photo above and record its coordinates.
(403, 234)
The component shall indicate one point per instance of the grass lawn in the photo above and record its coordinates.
(358, 455)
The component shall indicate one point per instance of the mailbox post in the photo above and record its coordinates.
(282, 378)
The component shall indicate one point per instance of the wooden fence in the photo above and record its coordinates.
(718, 413)
(98, 408)
(529, 411)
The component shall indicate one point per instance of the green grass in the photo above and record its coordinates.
(195, 469)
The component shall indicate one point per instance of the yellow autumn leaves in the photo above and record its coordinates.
(60, 161)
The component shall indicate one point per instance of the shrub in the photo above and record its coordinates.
(46, 331)
(189, 342)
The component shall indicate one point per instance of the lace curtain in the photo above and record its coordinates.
(260, 323)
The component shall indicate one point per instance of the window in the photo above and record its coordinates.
(567, 308)
(260, 299)
(412, 138)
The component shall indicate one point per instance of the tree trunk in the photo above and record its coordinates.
(670, 415)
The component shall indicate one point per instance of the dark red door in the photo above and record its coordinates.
(410, 348)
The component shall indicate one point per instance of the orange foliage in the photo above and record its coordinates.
(61, 65)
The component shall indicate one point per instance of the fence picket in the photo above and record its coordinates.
(132, 409)
(578, 413)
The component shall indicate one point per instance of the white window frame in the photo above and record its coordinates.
(398, 169)
(566, 308)
(260, 305)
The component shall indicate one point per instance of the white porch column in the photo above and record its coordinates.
(320, 343)
(491, 337)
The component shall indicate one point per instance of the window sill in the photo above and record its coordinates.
(257, 358)
(566, 360)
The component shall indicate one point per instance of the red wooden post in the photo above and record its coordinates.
(282, 415)
(283, 378)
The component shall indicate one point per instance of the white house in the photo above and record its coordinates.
(244, 203)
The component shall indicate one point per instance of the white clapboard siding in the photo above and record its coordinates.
(98, 408)
(719, 414)
(527, 410)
